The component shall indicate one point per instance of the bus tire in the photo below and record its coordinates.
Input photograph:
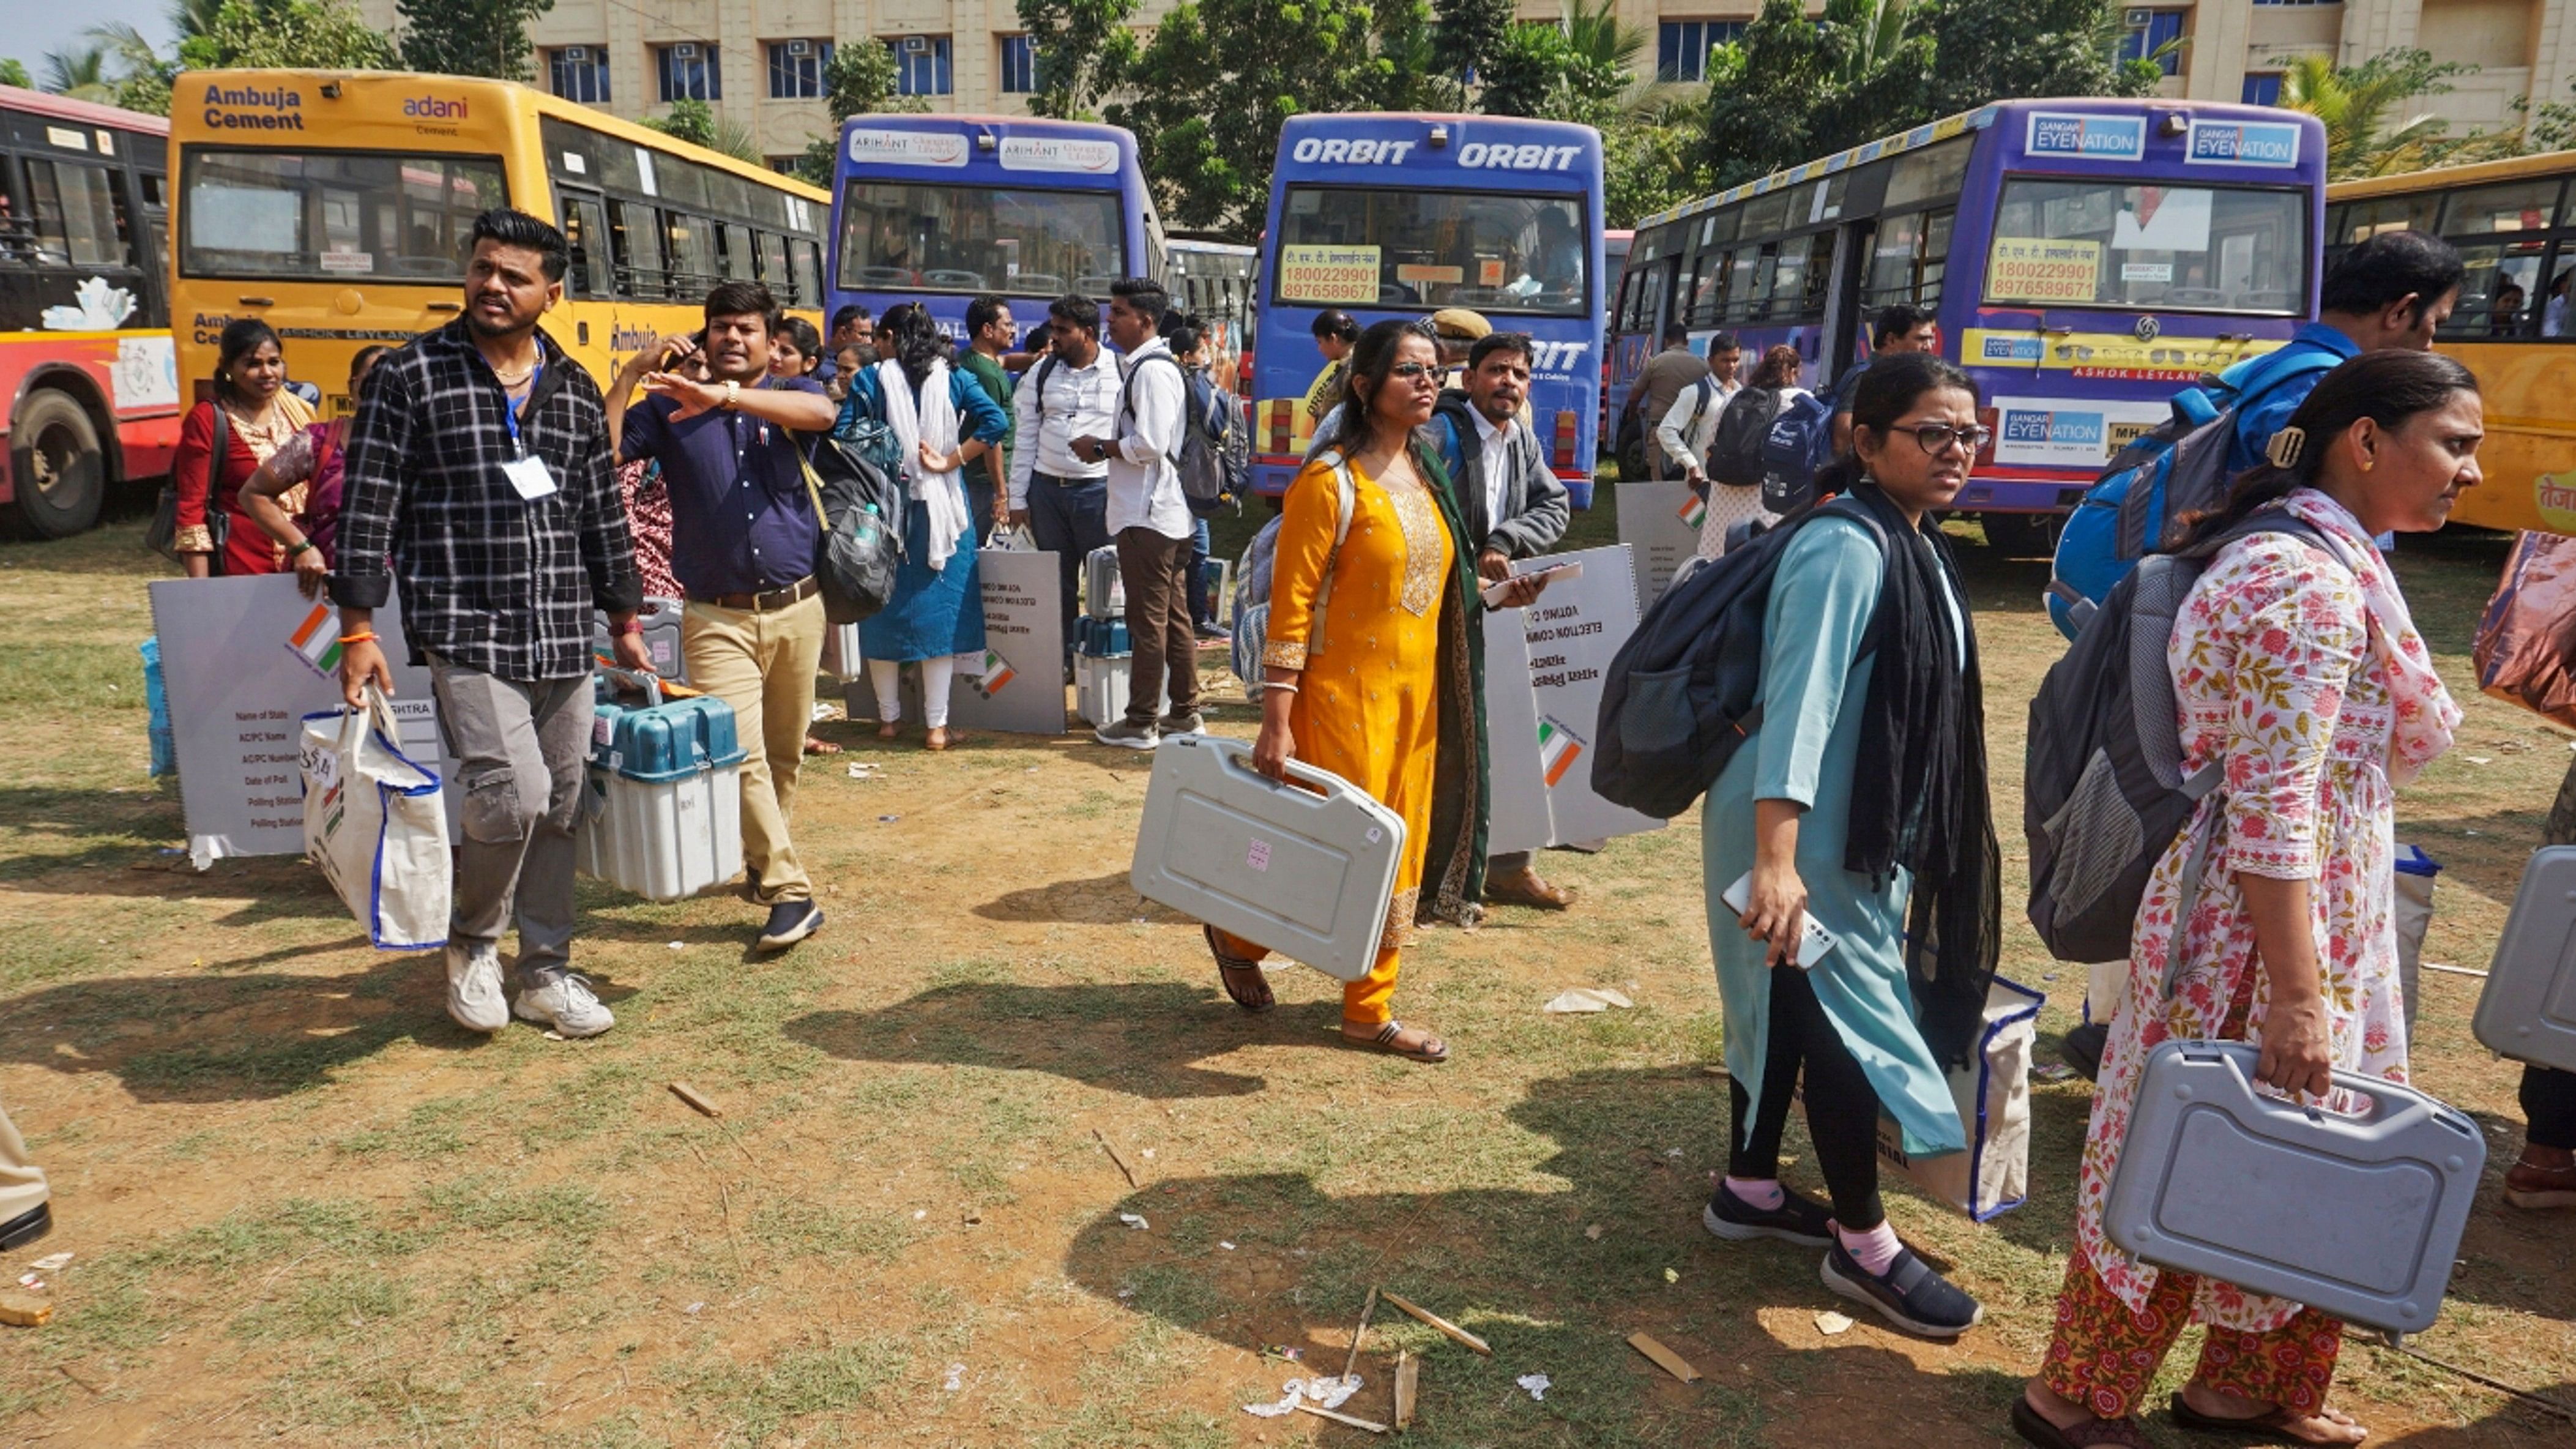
(57, 470)
(2022, 535)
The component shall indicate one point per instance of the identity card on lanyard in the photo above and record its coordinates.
(526, 471)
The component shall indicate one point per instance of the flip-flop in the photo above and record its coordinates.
(1433, 1048)
(2088, 1432)
(814, 746)
(1229, 967)
(2274, 1421)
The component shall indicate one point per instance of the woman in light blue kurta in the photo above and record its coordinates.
(940, 415)
(1868, 764)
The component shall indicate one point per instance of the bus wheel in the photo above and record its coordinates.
(56, 466)
(2022, 535)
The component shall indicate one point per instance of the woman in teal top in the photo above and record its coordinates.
(1865, 776)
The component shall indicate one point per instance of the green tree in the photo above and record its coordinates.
(80, 73)
(860, 81)
(13, 72)
(1220, 78)
(1409, 65)
(1465, 37)
(1083, 47)
(1538, 71)
(2369, 131)
(288, 35)
(469, 37)
(697, 123)
(1994, 49)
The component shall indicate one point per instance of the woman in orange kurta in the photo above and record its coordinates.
(1373, 666)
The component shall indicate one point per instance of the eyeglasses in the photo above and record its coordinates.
(1937, 437)
(1411, 370)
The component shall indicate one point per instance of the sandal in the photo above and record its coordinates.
(1231, 971)
(2273, 1421)
(1430, 1049)
(2088, 1432)
(815, 746)
(889, 729)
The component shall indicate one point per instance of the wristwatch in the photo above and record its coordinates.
(733, 395)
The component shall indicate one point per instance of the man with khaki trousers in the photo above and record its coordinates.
(743, 538)
(24, 1213)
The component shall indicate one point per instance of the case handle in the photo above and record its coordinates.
(2388, 1100)
(1238, 757)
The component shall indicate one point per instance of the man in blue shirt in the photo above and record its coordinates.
(2394, 290)
(743, 538)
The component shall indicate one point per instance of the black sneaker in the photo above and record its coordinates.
(2083, 1048)
(26, 1227)
(789, 923)
(1800, 1220)
(1909, 1294)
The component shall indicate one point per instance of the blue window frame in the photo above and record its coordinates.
(1682, 46)
(2262, 88)
(796, 68)
(689, 72)
(579, 73)
(1019, 66)
(921, 65)
(2141, 42)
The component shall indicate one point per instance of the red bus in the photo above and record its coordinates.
(85, 352)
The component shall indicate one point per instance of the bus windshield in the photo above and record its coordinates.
(333, 214)
(1035, 243)
(1372, 247)
(2082, 243)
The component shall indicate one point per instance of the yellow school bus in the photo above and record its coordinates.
(2515, 225)
(338, 205)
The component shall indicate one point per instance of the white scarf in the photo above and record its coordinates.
(927, 417)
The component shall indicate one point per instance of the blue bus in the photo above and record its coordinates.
(2084, 260)
(936, 209)
(1386, 215)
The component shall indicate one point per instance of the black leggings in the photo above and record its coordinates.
(1842, 1107)
(2549, 1107)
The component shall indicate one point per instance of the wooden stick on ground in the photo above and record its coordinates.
(1408, 1379)
(691, 1095)
(1366, 1311)
(1369, 1424)
(1114, 1157)
(1450, 1330)
(1664, 1358)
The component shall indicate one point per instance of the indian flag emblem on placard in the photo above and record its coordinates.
(997, 672)
(1557, 748)
(1694, 508)
(316, 641)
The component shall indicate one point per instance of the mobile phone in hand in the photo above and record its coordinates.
(1814, 941)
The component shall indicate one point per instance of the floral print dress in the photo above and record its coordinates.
(2298, 666)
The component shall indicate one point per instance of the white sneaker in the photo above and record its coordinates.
(564, 1001)
(474, 987)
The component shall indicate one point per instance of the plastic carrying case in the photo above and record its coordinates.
(2527, 1010)
(2358, 1217)
(1305, 867)
(662, 803)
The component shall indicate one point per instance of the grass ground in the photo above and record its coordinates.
(308, 1210)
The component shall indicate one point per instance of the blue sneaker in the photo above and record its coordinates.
(1800, 1220)
(1909, 1294)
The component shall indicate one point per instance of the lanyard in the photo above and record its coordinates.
(510, 410)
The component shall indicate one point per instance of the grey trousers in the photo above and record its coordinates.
(520, 750)
(1510, 862)
(22, 1183)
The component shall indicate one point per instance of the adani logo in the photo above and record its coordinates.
(432, 108)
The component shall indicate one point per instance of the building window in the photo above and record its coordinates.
(689, 72)
(796, 69)
(1682, 46)
(1019, 66)
(2262, 88)
(2150, 32)
(921, 65)
(579, 73)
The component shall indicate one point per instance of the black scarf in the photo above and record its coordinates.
(1919, 796)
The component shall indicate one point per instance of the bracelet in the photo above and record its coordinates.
(295, 549)
(367, 637)
(1271, 684)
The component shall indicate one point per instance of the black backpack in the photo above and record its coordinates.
(861, 509)
(2103, 793)
(1630, 448)
(1735, 455)
(1686, 689)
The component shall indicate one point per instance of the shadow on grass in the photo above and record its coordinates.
(1143, 1040)
(2513, 1425)
(1102, 900)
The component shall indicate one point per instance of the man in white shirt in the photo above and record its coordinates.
(1150, 519)
(1690, 424)
(1061, 497)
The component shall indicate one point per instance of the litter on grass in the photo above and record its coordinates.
(2052, 1071)
(1134, 1220)
(1322, 1392)
(1587, 998)
(956, 1377)
(1537, 1385)
(1830, 1323)
(52, 1263)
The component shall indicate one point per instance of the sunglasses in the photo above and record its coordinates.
(1936, 438)
(1408, 371)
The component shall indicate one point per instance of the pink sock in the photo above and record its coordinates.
(1757, 1192)
(1874, 1249)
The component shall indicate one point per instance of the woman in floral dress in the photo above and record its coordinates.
(2295, 662)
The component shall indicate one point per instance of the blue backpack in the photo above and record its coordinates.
(1798, 447)
(2178, 468)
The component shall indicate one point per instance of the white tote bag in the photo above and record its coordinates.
(374, 822)
(1993, 1094)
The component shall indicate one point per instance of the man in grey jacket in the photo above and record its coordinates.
(1513, 502)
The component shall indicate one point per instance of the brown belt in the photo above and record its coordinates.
(795, 593)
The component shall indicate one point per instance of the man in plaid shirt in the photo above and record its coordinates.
(478, 473)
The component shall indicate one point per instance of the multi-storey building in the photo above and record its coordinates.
(760, 62)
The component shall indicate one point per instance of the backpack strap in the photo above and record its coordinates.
(1345, 503)
(1840, 506)
(1705, 390)
(1127, 397)
(1046, 369)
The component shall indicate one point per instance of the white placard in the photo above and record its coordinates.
(1653, 523)
(1544, 666)
(1016, 685)
(238, 694)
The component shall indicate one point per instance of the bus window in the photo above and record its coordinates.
(690, 254)
(1765, 214)
(2174, 248)
(805, 269)
(976, 238)
(1929, 174)
(2502, 293)
(1495, 252)
(77, 220)
(1906, 263)
(586, 228)
(638, 237)
(773, 260)
(2521, 206)
(738, 262)
(2363, 220)
(287, 215)
(1743, 266)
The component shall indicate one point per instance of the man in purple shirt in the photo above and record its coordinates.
(743, 537)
